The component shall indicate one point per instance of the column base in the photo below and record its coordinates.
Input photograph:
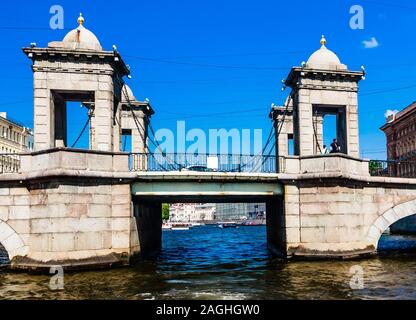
(100, 262)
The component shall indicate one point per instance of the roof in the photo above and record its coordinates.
(409, 110)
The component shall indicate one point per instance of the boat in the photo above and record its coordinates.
(197, 224)
(254, 223)
(181, 226)
(225, 225)
(166, 226)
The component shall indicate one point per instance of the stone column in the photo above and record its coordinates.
(117, 131)
(352, 124)
(43, 113)
(104, 115)
(318, 120)
(281, 139)
(138, 138)
(305, 125)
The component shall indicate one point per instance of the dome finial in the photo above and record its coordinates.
(323, 41)
(80, 19)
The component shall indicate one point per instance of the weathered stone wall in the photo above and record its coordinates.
(69, 221)
(68, 207)
(340, 217)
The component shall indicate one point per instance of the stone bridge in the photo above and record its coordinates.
(86, 208)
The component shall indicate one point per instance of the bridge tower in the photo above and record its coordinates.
(77, 69)
(135, 117)
(321, 86)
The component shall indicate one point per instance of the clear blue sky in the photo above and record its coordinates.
(195, 59)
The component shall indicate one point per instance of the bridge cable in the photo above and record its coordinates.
(138, 124)
(314, 123)
(83, 129)
(158, 146)
(277, 133)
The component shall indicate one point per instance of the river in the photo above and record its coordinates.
(213, 263)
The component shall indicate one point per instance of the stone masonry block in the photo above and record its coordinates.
(99, 210)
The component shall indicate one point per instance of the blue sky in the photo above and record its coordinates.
(209, 62)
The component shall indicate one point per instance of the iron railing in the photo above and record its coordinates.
(202, 162)
(9, 163)
(394, 169)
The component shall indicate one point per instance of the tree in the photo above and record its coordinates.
(377, 168)
(165, 211)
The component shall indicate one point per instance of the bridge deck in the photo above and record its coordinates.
(206, 186)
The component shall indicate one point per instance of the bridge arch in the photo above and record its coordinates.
(391, 216)
(12, 241)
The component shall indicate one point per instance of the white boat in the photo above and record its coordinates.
(180, 228)
(166, 226)
(197, 224)
(225, 225)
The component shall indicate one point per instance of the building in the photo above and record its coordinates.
(204, 212)
(400, 130)
(192, 212)
(240, 211)
(14, 138)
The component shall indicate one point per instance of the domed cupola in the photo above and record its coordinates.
(80, 38)
(325, 59)
(127, 95)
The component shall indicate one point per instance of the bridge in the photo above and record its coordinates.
(101, 207)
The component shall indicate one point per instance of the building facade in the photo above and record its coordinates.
(400, 131)
(240, 211)
(192, 212)
(14, 138)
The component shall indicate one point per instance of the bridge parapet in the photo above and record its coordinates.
(74, 159)
(336, 163)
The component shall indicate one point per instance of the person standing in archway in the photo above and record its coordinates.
(335, 147)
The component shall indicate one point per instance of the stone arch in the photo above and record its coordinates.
(12, 241)
(388, 218)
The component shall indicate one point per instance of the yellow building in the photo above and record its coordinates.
(14, 139)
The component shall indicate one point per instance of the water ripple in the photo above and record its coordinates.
(214, 263)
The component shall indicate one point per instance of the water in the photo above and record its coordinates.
(213, 263)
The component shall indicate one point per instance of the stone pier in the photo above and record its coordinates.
(333, 208)
(70, 208)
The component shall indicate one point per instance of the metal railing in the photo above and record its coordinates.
(202, 163)
(393, 169)
(9, 163)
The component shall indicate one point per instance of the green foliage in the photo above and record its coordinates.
(165, 211)
(376, 167)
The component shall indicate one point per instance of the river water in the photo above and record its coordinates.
(213, 263)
